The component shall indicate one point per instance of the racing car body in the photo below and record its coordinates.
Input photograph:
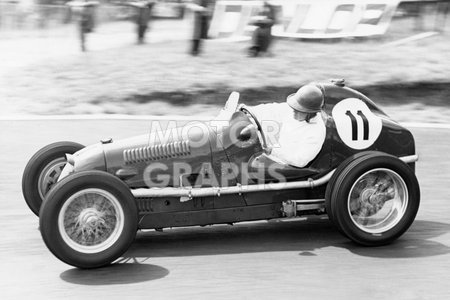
(95, 198)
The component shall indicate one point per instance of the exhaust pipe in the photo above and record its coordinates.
(187, 194)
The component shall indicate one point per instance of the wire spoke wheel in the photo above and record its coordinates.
(378, 200)
(49, 175)
(91, 220)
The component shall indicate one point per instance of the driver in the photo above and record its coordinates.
(302, 130)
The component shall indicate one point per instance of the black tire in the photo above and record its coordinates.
(81, 191)
(36, 165)
(370, 178)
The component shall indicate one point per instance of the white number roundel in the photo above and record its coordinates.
(356, 125)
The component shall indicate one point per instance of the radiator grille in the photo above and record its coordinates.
(157, 152)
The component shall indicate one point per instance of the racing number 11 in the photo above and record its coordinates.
(355, 125)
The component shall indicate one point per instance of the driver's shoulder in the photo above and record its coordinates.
(268, 105)
(273, 108)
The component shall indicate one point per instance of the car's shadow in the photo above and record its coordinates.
(303, 236)
(125, 271)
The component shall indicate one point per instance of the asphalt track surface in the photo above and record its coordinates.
(301, 259)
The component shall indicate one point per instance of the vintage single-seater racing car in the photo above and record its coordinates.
(92, 200)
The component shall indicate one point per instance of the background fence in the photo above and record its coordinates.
(298, 18)
(319, 19)
(31, 16)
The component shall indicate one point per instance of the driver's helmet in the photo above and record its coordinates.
(308, 99)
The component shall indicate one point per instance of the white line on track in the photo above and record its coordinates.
(162, 118)
(426, 125)
(413, 38)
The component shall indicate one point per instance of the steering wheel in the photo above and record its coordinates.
(255, 121)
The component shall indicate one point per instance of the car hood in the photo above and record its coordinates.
(130, 158)
(89, 158)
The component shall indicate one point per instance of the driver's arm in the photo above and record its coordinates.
(297, 153)
(266, 112)
(270, 116)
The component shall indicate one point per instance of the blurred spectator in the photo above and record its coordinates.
(203, 10)
(86, 14)
(262, 36)
(426, 12)
(443, 8)
(87, 22)
(23, 12)
(43, 12)
(143, 15)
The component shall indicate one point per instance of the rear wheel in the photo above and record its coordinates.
(374, 199)
(89, 219)
(43, 170)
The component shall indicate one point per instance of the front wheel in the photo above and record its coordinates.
(374, 199)
(43, 170)
(89, 219)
